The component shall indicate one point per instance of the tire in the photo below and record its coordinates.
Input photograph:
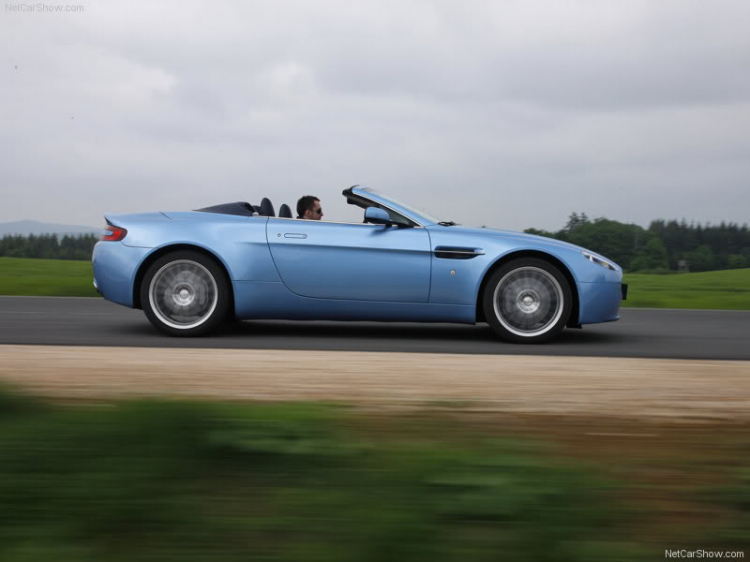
(527, 300)
(185, 293)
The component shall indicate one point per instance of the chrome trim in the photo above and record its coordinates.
(461, 252)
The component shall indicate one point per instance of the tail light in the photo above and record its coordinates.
(113, 233)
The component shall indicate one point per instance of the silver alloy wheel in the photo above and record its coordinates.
(183, 294)
(528, 301)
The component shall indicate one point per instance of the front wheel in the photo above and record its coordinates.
(527, 300)
(185, 293)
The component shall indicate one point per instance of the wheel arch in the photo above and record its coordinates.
(574, 312)
(163, 251)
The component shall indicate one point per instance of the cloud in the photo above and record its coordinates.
(507, 114)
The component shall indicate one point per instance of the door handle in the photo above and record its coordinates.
(294, 235)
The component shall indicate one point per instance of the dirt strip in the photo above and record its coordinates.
(677, 389)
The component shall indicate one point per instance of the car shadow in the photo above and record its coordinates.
(288, 329)
(356, 330)
(587, 335)
(365, 336)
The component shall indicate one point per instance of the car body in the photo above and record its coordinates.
(190, 270)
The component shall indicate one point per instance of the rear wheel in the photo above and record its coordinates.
(527, 300)
(185, 293)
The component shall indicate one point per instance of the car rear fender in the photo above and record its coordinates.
(164, 250)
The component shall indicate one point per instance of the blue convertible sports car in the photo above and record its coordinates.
(189, 271)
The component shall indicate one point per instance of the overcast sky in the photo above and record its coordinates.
(508, 114)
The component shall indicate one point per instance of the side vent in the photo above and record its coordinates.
(457, 252)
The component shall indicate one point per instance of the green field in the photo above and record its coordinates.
(53, 278)
(721, 290)
(727, 290)
(188, 481)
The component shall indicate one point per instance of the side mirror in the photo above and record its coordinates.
(377, 216)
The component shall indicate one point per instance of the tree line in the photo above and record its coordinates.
(48, 246)
(663, 246)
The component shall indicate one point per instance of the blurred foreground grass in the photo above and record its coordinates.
(54, 278)
(185, 481)
(721, 290)
(728, 290)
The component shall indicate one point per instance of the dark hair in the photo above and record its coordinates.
(305, 203)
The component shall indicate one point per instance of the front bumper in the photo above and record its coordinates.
(599, 302)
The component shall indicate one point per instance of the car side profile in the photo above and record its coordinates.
(190, 271)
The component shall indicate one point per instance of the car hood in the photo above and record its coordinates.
(511, 234)
(531, 239)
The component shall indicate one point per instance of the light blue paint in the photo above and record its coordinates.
(304, 269)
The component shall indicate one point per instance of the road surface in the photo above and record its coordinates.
(647, 333)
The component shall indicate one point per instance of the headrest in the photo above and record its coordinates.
(266, 208)
(285, 212)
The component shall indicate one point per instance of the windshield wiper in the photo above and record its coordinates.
(447, 223)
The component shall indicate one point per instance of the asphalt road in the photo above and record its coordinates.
(651, 333)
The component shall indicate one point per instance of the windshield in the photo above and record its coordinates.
(404, 206)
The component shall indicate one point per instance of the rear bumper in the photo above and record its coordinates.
(115, 266)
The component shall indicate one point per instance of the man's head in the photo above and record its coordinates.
(308, 207)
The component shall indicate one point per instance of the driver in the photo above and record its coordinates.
(308, 207)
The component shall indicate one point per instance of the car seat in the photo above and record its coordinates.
(266, 208)
(285, 212)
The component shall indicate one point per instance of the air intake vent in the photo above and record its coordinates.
(457, 253)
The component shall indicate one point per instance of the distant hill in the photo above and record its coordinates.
(27, 227)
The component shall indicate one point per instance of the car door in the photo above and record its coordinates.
(351, 261)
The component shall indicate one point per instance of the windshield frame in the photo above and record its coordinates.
(419, 217)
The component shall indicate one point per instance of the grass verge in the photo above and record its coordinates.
(161, 480)
(54, 278)
(721, 290)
